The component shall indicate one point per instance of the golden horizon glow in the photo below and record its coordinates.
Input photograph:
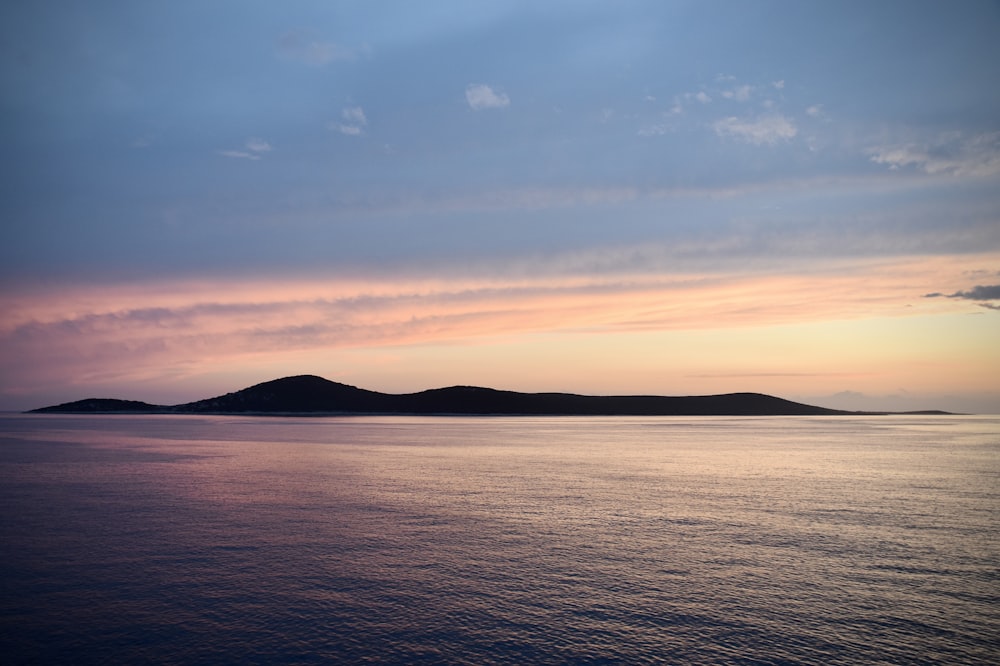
(865, 326)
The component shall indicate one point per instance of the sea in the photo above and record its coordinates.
(175, 539)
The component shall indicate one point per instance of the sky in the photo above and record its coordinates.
(636, 197)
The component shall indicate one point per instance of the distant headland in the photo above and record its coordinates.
(312, 395)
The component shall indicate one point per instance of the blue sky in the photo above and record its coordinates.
(161, 158)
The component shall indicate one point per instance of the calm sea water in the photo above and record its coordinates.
(790, 540)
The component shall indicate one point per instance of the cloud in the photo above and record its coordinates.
(239, 154)
(739, 93)
(687, 98)
(758, 131)
(306, 47)
(951, 154)
(353, 121)
(725, 87)
(257, 145)
(254, 148)
(768, 125)
(481, 96)
(979, 293)
(162, 329)
(655, 129)
(815, 111)
(79, 334)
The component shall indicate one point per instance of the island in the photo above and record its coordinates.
(312, 395)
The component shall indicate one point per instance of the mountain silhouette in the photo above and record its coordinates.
(309, 394)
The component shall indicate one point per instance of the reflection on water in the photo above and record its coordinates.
(500, 540)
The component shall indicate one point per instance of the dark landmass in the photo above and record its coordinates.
(308, 394)
(102, 406)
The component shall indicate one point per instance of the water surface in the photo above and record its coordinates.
(183, 539)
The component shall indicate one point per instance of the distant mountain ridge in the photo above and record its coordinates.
(309, 394)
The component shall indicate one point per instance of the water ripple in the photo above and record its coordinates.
(497, 541)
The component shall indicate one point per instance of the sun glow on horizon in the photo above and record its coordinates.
(797, 334)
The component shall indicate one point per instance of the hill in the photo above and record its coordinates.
(309, 394)
(101, 406)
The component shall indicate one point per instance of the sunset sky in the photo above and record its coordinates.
(795, 198)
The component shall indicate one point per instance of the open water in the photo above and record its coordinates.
(792, 540)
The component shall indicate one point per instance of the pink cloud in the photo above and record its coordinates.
(566, 329)
(144, 331)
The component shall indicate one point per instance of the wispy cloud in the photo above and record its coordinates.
(654, 129)
(239, 154)
(257, 145)
(307, 47)
(131, 332)
(761, 130)
(352, 121)
(158, 334)
(705, 108)
(683, 100)
(739, 93)
(980, 293)
(481, 96)
(337, 312)
(254, 148)
(951, 154)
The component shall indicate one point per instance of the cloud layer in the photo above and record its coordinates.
(129, 333)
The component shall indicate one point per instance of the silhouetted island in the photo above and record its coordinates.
(312, 395)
